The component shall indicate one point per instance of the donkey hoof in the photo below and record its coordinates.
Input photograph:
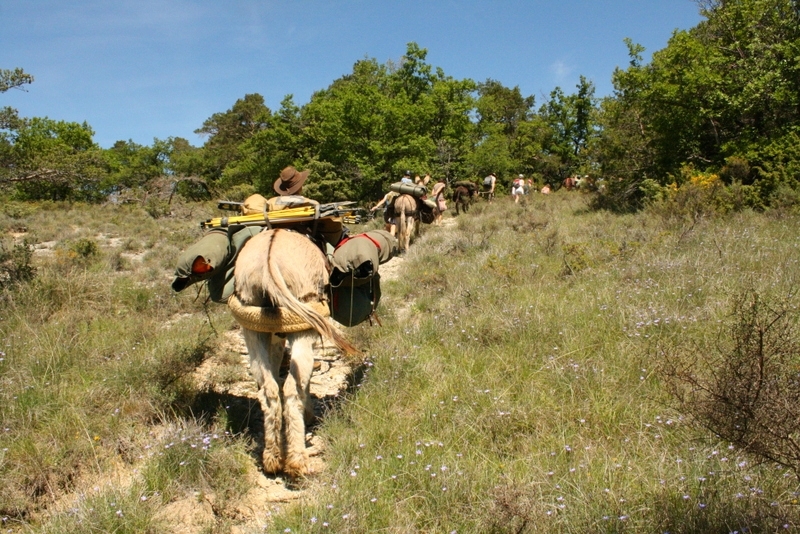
(297, 468)
(272, 465)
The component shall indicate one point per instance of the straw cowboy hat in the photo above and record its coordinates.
(290, 181)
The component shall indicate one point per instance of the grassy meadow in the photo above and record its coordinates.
(528, 377)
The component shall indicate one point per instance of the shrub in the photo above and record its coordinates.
(157, 208)
(784, 200)
(747, 391)
(192, 189)
(239, 192)
(85, 248)
(15, 264)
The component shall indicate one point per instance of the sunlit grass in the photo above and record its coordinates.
(513, 386)
(513, 390)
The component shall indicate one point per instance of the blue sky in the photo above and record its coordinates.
(145, 69)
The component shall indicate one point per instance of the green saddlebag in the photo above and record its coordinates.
(219, 249)
(354, 281)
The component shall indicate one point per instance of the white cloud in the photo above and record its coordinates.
(560, 71)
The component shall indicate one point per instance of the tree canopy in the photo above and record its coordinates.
(721, 99)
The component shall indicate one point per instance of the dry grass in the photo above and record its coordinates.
(512, 387)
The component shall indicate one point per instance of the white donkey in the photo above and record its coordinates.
(279, 297)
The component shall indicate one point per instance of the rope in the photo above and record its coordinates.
(274, 320)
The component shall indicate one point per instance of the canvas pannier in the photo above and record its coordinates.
(427, 211)
(354, 280)
(212, 259)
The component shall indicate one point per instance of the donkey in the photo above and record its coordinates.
(406, 210)
(279, 299)
(462, 197)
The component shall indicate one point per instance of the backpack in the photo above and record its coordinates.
(487, 181)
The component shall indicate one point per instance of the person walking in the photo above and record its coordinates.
(437, 194)
(387, 203)
(518, 188)
(488, 186)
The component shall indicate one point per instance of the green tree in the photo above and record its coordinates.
(725, 90)
(268, 150)
(502, 131)
(45, 159)
(370, 125)
(185, 160)
(571, 125)
(135, 166)
(624, 151)
(228, 131)
(11, 79)
(42, 158)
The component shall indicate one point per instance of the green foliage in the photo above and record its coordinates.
(228, 131)
(192, 189)
(15, 264)
(570, 120)
(133, 166)
(84, 248)
(11, 79)
(238, 193)
(157, 208)
(184, 159)
(46, 159)
(372, 125)
(508, 140)
(722, 96)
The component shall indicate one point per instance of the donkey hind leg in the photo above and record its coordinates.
(266, 354)
(297, 401)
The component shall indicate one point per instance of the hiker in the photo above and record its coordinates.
(290, 181)
(437, 195)
(488, 186)
(517, 188)
(387, 202)
(406, 179)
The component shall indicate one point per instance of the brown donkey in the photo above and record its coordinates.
(406, 211)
